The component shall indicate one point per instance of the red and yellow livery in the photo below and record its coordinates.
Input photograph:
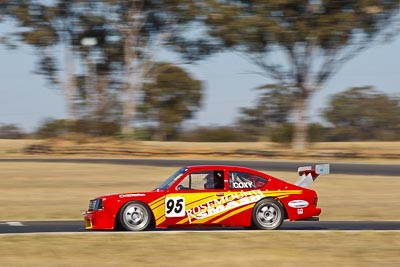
(217, 195)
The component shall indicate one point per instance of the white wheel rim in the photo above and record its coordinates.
(135, 217)
(268, 216)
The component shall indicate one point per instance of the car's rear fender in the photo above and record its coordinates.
(299, 208)
(286, 216)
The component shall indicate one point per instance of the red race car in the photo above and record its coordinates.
(198, 196)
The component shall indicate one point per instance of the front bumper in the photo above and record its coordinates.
(87, 219)
(98, 220)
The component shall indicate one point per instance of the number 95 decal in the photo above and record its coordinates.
(174, 207)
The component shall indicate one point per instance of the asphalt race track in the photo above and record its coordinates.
(340, 168)
(25, 227)
(21, 227)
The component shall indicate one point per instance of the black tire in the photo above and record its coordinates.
(134, 216)
(268, 214)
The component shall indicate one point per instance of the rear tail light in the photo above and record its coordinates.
(315, 201)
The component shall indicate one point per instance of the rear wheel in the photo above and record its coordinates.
(268, 214)
(134, 216)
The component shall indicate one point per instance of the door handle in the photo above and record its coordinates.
(220, 194)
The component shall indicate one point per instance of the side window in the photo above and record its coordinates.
(242, 180)
(202, 180)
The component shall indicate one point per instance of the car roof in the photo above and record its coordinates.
(228, 167)
(212, 167)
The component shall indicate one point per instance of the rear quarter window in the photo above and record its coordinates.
(244, 180)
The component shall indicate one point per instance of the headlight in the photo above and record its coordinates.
(95, 204)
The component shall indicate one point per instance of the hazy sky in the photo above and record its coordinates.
(26, 100)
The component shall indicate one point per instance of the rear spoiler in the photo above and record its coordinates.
(308, 175)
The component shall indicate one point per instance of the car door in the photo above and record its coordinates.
(194, 199)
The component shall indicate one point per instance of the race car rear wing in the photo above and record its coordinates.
(308, 175)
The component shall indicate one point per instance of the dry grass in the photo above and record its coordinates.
(258, 248)
(44, 191)
(14, 147)
(384, 152)
(33, 191)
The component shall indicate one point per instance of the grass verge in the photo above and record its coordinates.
(258, 248)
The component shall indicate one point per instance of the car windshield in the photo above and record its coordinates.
(167, 183)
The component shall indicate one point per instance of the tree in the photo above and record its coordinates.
(299, 44)
(11, 131)
(172, 97)
(272, 109)
(3, 14)
(362, 113)
(143, 26)
(108, 47)
(44, 27)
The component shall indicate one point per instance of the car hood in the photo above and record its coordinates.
(131, 195)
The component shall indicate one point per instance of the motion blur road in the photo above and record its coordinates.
(24, 227)
(340, 168)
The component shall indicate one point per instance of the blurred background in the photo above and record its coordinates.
(294, 80)
(290, 72)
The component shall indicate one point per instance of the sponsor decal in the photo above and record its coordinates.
(300, 211)
(322, 168)
(131, 195)
(305, 168)
(298, 204)
(222, 204)
(243, 185)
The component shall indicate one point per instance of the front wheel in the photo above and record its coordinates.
(268, 214)
(135, 216)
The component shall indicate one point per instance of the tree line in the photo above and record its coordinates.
(101, 54)
(356, 114)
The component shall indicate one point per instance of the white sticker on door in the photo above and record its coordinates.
(175, 207)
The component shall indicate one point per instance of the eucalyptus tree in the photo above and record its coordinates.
(171, 97)
(109, 46)
(300, 44)
(143, 28)
(272, 109)
(363, 113)
(49, 28)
